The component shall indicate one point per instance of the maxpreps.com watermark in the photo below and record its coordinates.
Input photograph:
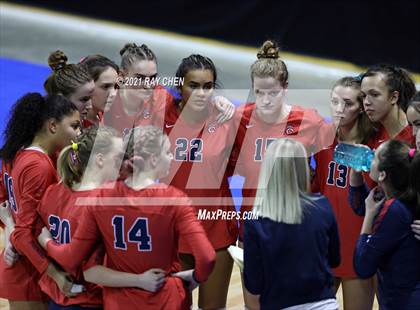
(203, 213)
(207, 215)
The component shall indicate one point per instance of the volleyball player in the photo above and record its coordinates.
(331, 180)
(73, 81)
(267, 119)
(201, 147)
(37, 128)
(140, 227)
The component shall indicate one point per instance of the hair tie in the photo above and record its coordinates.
(73, 153)
(82, 59)
(73, 157)
(74, 146)
(411, 153)
(59, 66)
(266, 55)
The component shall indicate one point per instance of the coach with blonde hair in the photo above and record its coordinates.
(290, 249)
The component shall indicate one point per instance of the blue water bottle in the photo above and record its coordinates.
(358, 157)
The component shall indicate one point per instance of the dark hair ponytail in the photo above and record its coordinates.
(196, 62)
(132, 53)
(415, 103)
(97, 64)
(396, 159)
(397, 79)
(27, 118)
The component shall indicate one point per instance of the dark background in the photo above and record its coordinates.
(361, 32)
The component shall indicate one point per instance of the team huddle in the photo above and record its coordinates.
(115, 189)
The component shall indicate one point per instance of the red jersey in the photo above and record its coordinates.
(151, 113)
(406, 135)
(140, 230)
(201, 152)
(32, 172)
(62, 219)
(332, 180)
(161, 102)
(101, 117)
(254, 136)
(88, 123)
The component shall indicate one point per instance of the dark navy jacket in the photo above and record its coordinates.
(393, 253)
(290, 264)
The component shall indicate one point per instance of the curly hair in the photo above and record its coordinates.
(27, 118)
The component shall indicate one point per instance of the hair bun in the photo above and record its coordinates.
(57, 60)
(128, 47)
(269, 49)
